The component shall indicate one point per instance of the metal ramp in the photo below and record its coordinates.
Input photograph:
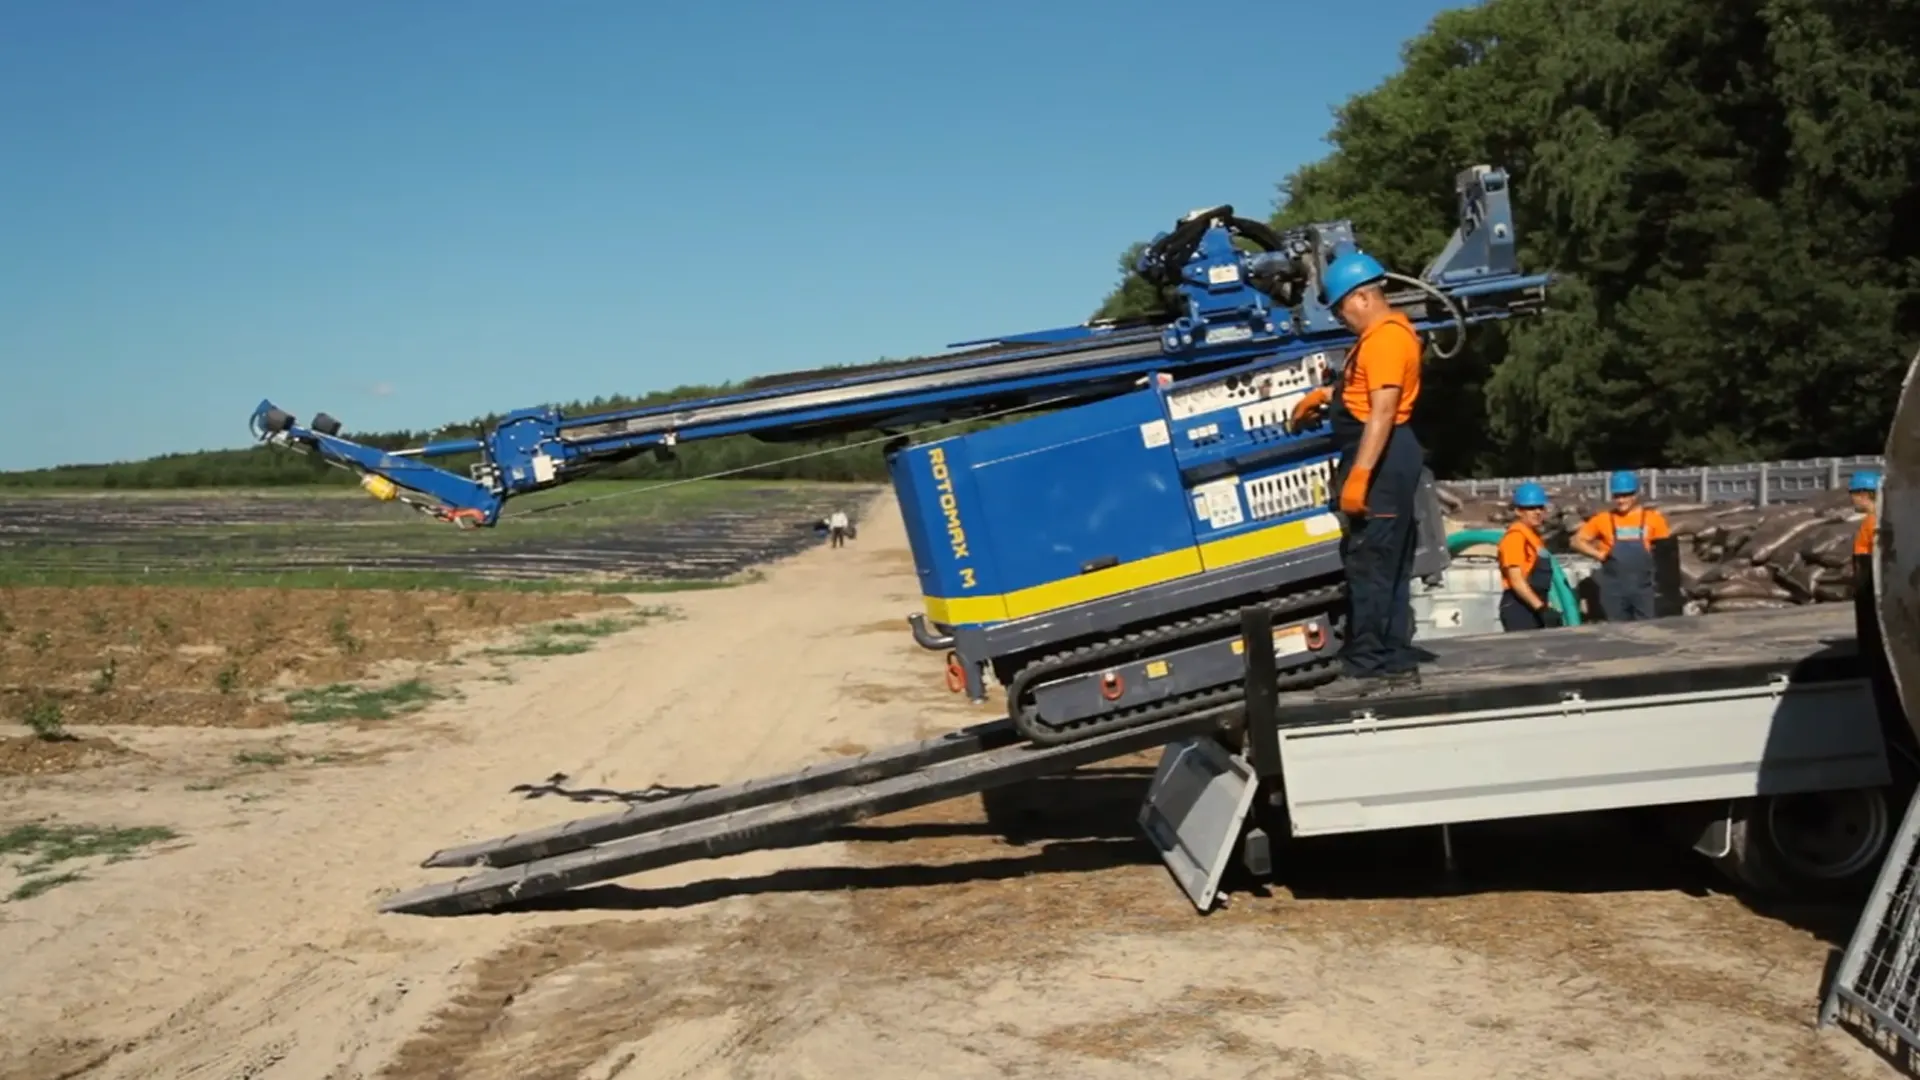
(1197, 806)
(790, 810)
(1194, 811)
(1876, 990)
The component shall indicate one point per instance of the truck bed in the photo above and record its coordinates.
(1687, 710)
(1600, 661)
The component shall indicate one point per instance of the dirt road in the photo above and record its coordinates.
(1026, 934)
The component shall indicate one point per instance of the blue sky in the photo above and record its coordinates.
(410, 213)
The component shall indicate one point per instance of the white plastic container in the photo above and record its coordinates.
(1467, 599)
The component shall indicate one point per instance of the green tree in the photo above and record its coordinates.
(1133, 298)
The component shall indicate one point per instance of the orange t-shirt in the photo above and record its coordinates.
(1863, 540)
(1387, 354)
(1641, 523)
(1520, 549)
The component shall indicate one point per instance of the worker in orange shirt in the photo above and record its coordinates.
(1862, 487)
(1621, 540)
(1378, 474)
(1526, 566)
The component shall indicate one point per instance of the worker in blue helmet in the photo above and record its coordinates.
(1621, 538)
(1863, 486)
(1370, 407)
(1526, 566)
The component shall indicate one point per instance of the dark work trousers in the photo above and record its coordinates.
(1626, 577)
(1377, 552)
(1514, 613)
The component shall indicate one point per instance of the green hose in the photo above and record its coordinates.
(1559, 594)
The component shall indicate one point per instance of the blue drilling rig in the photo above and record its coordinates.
(1094, 558)
(1119, 560)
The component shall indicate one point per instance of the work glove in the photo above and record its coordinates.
(1308, 409)
(1353, 493)
(1550, 618)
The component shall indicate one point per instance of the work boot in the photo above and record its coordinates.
(1348, 688)
(1400, 682)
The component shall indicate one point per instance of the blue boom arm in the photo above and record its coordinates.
(1230, 307)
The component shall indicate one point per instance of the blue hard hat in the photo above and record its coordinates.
(1349, 272)
(1624, 482)
(1864, 480)
(1529, 495)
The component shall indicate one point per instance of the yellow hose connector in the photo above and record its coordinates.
(379, 487)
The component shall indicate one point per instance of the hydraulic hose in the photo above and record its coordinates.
(1459, 320)
(1163, 260)
(1559, 594)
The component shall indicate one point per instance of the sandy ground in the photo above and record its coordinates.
(1029, 933)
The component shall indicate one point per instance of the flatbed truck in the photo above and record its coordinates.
(1147, 557)
(1758, 731)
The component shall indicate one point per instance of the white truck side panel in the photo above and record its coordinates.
(1363, 775)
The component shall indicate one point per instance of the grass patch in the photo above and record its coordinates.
(611, 624)
(576, 636)
(44, 847)
(34, 886)
(274, 757)
(44, 719)
(547, 646)
(49, 845)
(597, 628)
(343, 701)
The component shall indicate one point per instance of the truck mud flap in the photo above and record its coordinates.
(1199, 798)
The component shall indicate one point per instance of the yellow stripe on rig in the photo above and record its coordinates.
(1140, 574)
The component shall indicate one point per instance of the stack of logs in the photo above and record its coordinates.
(1733, 557)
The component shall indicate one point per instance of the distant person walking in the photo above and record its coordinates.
(837, 528)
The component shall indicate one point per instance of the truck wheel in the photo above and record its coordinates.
(1816, 845)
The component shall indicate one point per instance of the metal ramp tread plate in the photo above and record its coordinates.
(790, 822)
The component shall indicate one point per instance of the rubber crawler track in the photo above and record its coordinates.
(1024, 711)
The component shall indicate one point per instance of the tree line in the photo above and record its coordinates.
(1727, 189)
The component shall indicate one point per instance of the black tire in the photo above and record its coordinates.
(1815, 846)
